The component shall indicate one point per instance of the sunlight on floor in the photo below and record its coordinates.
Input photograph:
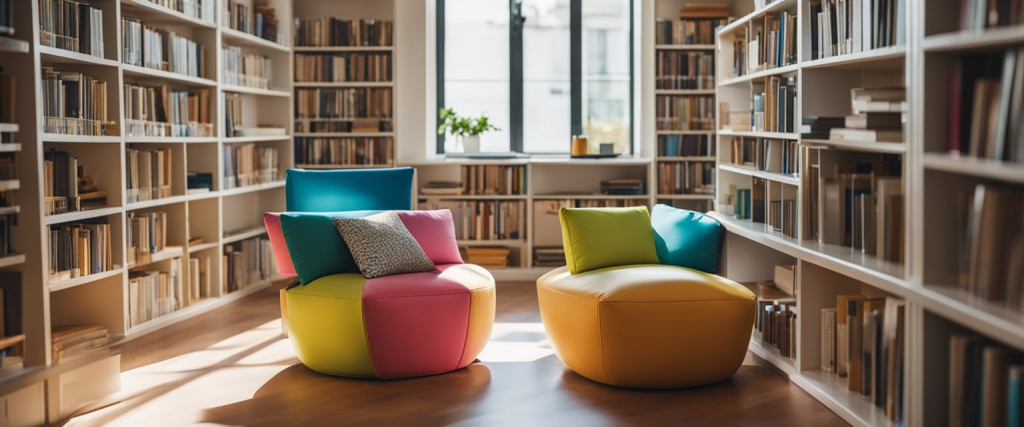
(517, 342)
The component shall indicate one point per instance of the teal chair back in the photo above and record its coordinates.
(348, 190)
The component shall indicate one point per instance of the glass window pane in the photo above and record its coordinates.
(606, 80)
(547, 125)
(476, 65)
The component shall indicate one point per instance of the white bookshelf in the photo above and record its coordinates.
(936, 307)
(101, 298)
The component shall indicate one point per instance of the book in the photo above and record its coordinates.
(992, 242)
(75, 104)
(330, 31)
(687, 30)
(485, 220)
(335, 110)
(156, 293)
(494, 257)
(343, 67)
(153, 47)
(247, 164)
(866, 135)
(201, 9)
(247, 263)
(685, 146)
(681, 70)
(785, 278)
(147, 235)
(828, 339)
(71, 25)
(72, 340)
(341, 152)
(245, 69)
(686, 177)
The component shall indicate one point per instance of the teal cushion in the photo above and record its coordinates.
(686, 238)
(316, 248)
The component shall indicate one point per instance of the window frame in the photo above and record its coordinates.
(516, 74)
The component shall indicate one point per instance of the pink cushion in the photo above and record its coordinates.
(272, 220)
(435, 232)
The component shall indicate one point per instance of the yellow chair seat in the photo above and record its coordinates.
(647, 326)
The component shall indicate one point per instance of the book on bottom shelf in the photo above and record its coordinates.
(488, 256)
(147, 235)
(485, 220)
(67, 341)
(79, 250)
(992, 245)
(200, 278)
(155, 293)
(247, 263)
(985, 382)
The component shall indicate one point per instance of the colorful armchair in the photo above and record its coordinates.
(405, 325)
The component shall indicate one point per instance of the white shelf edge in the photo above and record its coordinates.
(684, 47)
(229, 35)
(792, 68)
(770, 7)
(972, 166)
(247, 189)
(242, 235)
(57, 137)
(134, 70)
(873, 55)
(81, 215)
(969, 40)
(202, 247)
(265, 138)
(155, 202)
(273, 92)
(170, 139)
(166, 13)
(755, 134)
(871, 147)
(322, 49)
(11, 260)
(750, 171)
(169, 252)
(83, 280)
(61, 56)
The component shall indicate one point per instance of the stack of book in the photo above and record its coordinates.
(863, 340)
(686, 177)
(493, 257)
(71, 25)
(775, 322)
(199, 182)
(493, 179)
(202, 9)
(247, 263)
(485, 220)
(153, 294)
(68, 341)
(697, 24)
(159, 49)
(75, 104)
(685, 146)
(344, 151)
(623, 187)
(343, 67)
(246, 164)
(548, 257)
(985, 106)
(986, 382)
(684, 70)
(774, 44)
(840, 27)
(245, 69)
(79, 250)
(878, 116)
(993, 245)
(200, 278)
(674, 112)
(65, 186)
(149, 174)
(147, 235)
(159, 111)
(320, 32)
(442, 188)
(774, 110)
(341, 105)
(858, 204)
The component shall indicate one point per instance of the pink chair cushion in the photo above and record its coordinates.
(272, 220)
(435, 232)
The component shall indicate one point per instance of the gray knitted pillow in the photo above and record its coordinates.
(382, 246)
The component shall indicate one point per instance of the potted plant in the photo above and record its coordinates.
(467, 129)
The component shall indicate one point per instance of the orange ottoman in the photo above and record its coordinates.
(647, 326)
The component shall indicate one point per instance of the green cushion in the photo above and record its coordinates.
(686, 238)
(315, 247)
(596, 238)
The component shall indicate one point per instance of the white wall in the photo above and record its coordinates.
(415, 72)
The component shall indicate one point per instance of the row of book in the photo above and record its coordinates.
(200, 282)
(840, 27)
(863, 339)
(493, 179)
(488, 256)
(354, 125)
(782, 217)
(675, 112)
(261, 23)
(775, 324)
(623, 187)
(978, 15)
(159, 49)
(548, 257)
(775, 42)
(201, 9)
(858, 203)
(160, 111)
(687, 31)
(696, 205)
(985, 106)
(342, 103)
(71, 25)
(878, 116)
(75, 104)
(992, 245)
(78, 250)
(759, 153)
(485, 220)
(686, 177)
(685, 146)
(247, 263)
(153, 293)
(67, 341)
(148, 174)
(553, 206)
(343, 67)
(774, 109)
(684, 70)
(246, 164)
(327, 31)
(7, 222)
(344, 151)
(147, 235)
(66, 188)
(245, 69)
(986, 382)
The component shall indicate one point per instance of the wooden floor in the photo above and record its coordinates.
(232, 367)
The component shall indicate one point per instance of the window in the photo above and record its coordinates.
(541, 70)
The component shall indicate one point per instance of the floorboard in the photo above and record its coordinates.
(231, 366)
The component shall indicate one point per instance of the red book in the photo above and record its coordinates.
(955, 98)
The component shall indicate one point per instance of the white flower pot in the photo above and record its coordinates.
(471, 144)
